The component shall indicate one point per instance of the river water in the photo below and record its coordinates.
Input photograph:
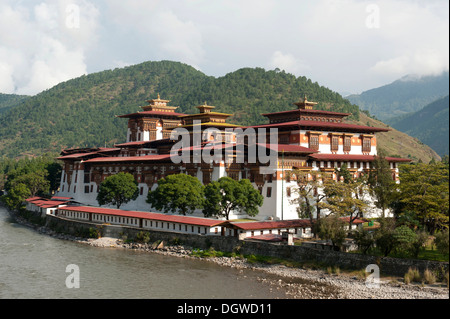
(33, 266)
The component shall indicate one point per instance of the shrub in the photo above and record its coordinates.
(404, 238)
(442, 241)
(446, 278)
(429, 277)
(143, 237)
(412, 275)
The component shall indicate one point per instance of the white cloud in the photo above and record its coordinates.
(338, 43)
(288, 63)
(39, 48)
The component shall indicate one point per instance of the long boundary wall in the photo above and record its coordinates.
(388, 265)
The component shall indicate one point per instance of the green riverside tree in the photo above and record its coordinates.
(178, 192)
(226, 194)
(118, 189)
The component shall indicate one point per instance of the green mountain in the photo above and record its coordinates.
(81, 112)
(7, 101)
(406, 95)
(430, 125)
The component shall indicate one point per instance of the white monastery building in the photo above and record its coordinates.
(300, 139)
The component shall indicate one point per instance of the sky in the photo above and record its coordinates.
(348, 46)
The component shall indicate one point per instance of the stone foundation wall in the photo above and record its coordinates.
(388, 265)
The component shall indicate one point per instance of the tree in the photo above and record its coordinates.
(424, 191)
(381, 184)
(384, 238)
(178, 192)
(118, 189)
(364, 239)
(17, 195)
(331, 228)
(36, 182)
(226, 194)
(342, 199)
(308, 184)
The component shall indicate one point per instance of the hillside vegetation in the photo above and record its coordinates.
(399, 144)
(430, 125)
(406, 95)
(82, 112)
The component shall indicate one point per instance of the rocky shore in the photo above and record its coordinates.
(298, 283)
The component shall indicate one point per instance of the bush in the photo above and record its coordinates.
(364, 240)
(412, 275)
(429, 277)
(441, 241)
(446, 278)
(404, 238)
(143, 237)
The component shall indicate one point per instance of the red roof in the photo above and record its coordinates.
(61, 198)
(288, 148)
(147, 113)
(146, 215)
(272, 224)
(351, 158)
(268, 237)
(331, 126)
(309, 111)
(129, 158)
(132, 143)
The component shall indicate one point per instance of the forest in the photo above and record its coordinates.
(82, 112)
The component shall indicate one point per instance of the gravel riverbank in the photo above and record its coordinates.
(298, 283)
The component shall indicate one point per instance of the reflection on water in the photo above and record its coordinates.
(34, 266)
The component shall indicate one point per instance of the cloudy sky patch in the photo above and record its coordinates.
(346, 45)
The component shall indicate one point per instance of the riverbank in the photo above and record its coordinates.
(297, 282)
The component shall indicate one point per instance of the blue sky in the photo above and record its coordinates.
(345, 45)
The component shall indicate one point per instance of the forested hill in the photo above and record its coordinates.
(406, 95)
(9, 100)
(430, 125)
(81, 112)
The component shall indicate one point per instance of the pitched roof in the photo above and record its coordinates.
(331, 126)
(199, 221)
(271, 224)
(351, 158)
(149, 113)
(144, 158)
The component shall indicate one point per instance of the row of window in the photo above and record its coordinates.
(314, 143)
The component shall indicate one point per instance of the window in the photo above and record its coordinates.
(269, 191)
(86, 189)
(366, 144)
(288, 191)
(347, 143)
(314, 142)
(334, 143)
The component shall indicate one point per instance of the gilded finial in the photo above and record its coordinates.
(158, 97)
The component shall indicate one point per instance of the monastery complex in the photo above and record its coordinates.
(302, 139)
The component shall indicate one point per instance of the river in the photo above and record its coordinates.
(34, 266)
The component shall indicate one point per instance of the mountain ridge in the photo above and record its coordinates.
(405, 95)
(82, 111)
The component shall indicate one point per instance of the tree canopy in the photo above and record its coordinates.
(118, 189)
(177, 193)
(226, 195)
